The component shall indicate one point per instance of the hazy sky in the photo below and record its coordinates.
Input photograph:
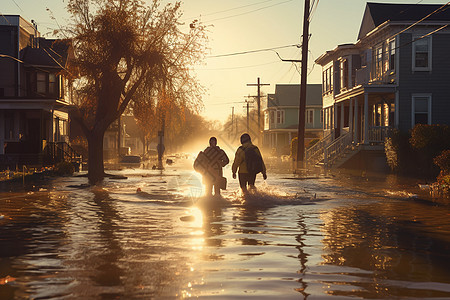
(240, 26)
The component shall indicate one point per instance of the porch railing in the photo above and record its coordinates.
(314, 154)
(61, 151)
(378, 134)
(336, 149)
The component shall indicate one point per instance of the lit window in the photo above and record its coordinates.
(392, 55)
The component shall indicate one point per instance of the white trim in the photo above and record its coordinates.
(430, 54)
(413, 112)
(397, 109)
(306, 116)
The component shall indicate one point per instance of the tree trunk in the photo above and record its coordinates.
(96, 169)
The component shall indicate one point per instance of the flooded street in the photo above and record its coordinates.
(320, 238)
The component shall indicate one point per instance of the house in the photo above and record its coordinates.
(394, 76)
(281, 116)
(35, 94)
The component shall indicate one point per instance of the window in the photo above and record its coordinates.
(280, 116)
(52, 84)
(327, 80)
(41, 87)
(344, 74)
(310, 116)
(392, 55)
(421, 109)
(272, 117)
(9, 127)
(422, 54)
(378, 61)
(321, 116)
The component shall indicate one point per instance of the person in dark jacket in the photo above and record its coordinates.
(209, 163)
(242, 163)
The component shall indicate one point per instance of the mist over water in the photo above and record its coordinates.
(329, 237)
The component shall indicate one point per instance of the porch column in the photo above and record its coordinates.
(366, 118)
(350, 117)
(342, 119)
(52, 121)
(290, 137)
(396, 107)
(16, 125)
(357, 123)
(276, 141)
(2, 132)
(335, 120)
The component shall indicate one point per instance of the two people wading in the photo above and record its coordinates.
(247, 163)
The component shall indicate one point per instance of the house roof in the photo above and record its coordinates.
(378, 13)
(51, 53)
(289, 95)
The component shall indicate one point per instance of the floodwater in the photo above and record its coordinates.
(323, 238)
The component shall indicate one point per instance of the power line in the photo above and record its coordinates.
(231, 9)
(421, 20)
(17, 5)
(252, 51)
(242, 67)
(245, 13)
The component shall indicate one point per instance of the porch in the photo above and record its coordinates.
(360, 121)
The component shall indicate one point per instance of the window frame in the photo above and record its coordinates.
(413, 108)
(416, 38)
(309, 113)
(280, 117)
(392, 55)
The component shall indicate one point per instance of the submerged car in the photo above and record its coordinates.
(130, 161)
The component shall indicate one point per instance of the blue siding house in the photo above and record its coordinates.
(395, 76)
(281, 116)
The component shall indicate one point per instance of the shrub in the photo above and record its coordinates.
(428, 141)
(64, 168)
(443, 162)
(398, 151)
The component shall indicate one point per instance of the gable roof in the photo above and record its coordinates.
(378, 13)
(289, 95)
(51, 53)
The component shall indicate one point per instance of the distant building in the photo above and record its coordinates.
(395, 76)
(35, 94)
(281, 116)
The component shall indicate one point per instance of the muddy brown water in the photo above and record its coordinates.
(338, 237)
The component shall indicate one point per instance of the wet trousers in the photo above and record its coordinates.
(246, 178)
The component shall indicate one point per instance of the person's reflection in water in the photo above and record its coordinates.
(212, 226)
(302, 256)
(109, 272)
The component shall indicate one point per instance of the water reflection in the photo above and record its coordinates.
(106, 263)
(302, 256)
(386, 243)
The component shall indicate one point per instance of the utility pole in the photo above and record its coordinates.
(258, 84)
(118, 137)
(232, 121)
(303, 83)
(248, 127)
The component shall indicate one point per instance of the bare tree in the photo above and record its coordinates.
(125, 49)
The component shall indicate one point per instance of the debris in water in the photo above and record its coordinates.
(6, 280)
(187, 218)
